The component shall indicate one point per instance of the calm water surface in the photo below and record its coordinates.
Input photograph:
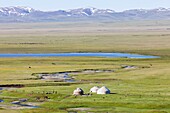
(116, 55)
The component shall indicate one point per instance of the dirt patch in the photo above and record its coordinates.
(78, 109)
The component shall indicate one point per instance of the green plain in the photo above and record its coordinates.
(145, 89)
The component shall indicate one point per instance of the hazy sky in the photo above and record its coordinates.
(117, 5)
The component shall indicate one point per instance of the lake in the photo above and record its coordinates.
(111, 55)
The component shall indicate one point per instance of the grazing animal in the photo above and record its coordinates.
(37, 98)
(46, 97)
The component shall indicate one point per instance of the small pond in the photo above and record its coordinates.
(115, 55)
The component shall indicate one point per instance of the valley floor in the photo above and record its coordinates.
(143, 89)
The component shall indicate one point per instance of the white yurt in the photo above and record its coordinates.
(78, 91)
(103, 90)
(94, 89)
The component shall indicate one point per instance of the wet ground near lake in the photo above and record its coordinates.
(65, 76)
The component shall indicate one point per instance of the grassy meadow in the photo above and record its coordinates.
(145, 89)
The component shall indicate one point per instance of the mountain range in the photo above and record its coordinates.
(27, 14)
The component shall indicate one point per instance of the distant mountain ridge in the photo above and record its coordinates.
(15, 11)
(27, 14)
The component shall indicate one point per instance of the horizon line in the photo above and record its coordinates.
(88, 7)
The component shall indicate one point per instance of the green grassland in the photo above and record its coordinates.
(143, 37)
(145, 89)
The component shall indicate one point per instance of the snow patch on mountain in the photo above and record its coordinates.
(16, 11)
(27, 14)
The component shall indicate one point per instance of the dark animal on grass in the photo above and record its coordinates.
(37, 98)
(46, 97)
